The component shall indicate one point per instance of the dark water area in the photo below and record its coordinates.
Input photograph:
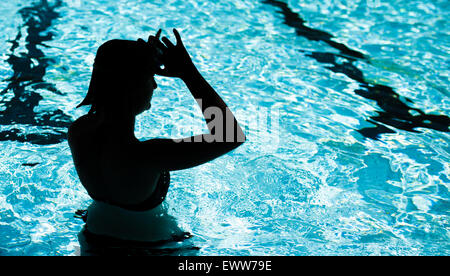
(29, 71)
(394, 113)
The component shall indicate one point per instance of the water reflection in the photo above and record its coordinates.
(29, 66)
(179, 244)
(98, 246)
(394, 112)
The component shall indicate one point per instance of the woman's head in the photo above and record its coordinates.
(122, 78)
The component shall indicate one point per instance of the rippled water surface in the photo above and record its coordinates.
(344, 103)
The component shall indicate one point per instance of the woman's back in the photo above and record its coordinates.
(107, 164)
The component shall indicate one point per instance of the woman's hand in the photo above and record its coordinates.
(175, 58)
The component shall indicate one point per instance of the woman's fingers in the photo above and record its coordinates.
(178, 37)
(153, 37)
(160, 45)
(167, 42)
(158, 33)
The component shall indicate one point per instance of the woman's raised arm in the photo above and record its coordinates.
(225, 133)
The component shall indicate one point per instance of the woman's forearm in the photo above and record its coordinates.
(208, 99)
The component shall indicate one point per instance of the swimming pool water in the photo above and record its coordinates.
(344, 104)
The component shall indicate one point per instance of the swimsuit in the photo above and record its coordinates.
(129, 226)
(97, 245)
(154, 200)
(112, 230)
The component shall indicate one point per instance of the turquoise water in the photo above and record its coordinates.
(344, 104)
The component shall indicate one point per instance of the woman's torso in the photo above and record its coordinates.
(108, 166)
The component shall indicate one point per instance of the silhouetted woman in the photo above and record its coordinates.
(127, 178)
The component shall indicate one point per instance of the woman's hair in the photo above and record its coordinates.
(120, 66)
